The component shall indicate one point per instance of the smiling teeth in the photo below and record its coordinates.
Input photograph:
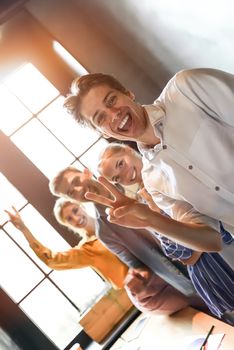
(81, 221)
(124, 121)
(133, 175)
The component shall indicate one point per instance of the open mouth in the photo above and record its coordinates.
(134, 175)
(81, 221)
(125, 123)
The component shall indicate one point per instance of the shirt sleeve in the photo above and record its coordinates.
(174, 250)
(210, 89)
(183, 211)
(69, 259)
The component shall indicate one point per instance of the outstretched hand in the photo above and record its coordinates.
(124, 211)
(133, 215)
(137, 279)
(15, 218)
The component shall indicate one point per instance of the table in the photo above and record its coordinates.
(169, 332)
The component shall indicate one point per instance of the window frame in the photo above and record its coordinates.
(25, 40)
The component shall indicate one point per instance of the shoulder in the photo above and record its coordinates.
(187, 75)
(197, 76)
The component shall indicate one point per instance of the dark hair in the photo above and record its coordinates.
(81, 86)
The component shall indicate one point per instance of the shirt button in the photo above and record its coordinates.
(160, 124)
(190, 167)
(164, 146)
(217, 188)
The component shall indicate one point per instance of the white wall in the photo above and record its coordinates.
(91, 45)
(143, 43)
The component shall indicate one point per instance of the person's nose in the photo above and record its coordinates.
(112, 112)
(78, 189)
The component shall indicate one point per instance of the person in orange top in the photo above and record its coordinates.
(89, 252)
(147, 291)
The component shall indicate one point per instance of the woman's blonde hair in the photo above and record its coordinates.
(61, 204)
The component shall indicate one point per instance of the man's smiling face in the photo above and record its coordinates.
(114, 113)
(75, 184)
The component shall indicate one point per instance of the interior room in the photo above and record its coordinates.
(44, 45)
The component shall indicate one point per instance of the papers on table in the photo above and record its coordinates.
(195, 342)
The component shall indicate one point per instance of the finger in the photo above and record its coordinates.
(9, 214)
(131, 271)
(128, 279)
(145, 274)
(109, 211)
(15, 210)
(122, 211)
(110, 187)
(114, 220)
(99, 199)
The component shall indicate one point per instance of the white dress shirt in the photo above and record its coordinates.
(194, 163)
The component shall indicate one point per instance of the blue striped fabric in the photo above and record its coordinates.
(212, 277)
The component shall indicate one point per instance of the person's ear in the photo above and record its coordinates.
(87, 172)
(131, 95)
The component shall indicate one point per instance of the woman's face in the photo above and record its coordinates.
(123, 167)
(76, 216)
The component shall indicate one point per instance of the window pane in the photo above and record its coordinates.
(9, 196)
(42, 148)
(90, 158)
(13, 112)
(30, 86)
(53, 313)
(78, 165)
(82, 286)
(42, 231)
(69, 132)
(17, 273)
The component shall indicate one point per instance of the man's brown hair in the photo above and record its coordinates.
(81, 86)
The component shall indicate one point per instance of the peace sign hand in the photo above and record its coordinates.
(15, 218)
(118, 199)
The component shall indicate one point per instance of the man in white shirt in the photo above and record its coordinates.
(186, 137)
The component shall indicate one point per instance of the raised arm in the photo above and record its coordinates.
(72, 258)
(17, 221)
(198, 237)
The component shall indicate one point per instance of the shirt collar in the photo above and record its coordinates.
(155, 113)
(156, 117)
(86, 239)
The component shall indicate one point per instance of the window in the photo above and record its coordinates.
(34, 122)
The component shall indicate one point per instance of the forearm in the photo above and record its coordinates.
(43, 253)
(194, 236)
(69, 259)
(28, 235)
